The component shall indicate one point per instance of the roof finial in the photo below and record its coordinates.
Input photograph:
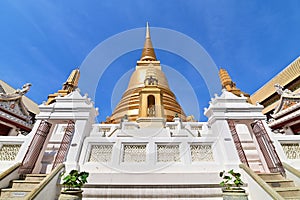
(147, 31)
(229, 85)
(148, 53)
(69, 86)
(72, 82)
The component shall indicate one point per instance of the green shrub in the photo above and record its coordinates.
(231, 179)
(75, 180)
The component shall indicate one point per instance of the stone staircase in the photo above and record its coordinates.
(250, 149)
(252, 155)
(21, 187)
(49, 156)
(165, 191)
(284, 187)
(156, 185)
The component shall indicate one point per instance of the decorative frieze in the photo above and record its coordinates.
(9, 117)
(100, 153)
(8, 152)
(134, 153)
(13, 107)
(201, 152)
(291, 150)
(168, 153)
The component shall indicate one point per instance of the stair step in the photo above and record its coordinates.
(288, 191)
(253, 160)
(96, 192)
(35, 177)
(257, 167)
(270, 176)
(294, 197)
(251, 155)
(11, 193)
(247, 142)
(24, 184)
(162, 198)
(249, 146)
(283, 189)
(281, 183)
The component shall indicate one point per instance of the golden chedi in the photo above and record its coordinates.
(148, 93)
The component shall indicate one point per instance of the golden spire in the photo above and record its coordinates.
(226, 81)
(229, 85)
(69, 86)
(148, 51)
(72, 82)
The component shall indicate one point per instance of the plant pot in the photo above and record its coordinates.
(71, 195)
(234, 194)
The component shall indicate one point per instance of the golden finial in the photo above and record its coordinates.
(69, 86)
(148, 53)
(230, 86)
(72, 82)
(147, 31)
(226, 81)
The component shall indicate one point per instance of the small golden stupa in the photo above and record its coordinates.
(230, 86)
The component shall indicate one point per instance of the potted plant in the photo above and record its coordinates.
(231, 184)
(73, 182)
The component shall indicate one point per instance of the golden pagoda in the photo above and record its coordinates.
(230, 86)
(69, 86)
(148, 93)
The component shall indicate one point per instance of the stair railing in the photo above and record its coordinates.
(35, 148)
(292, 173)
(261, 182)
(65, 144)
(291, 169)
(267, 148)
(237, 142)
(43, 192)
(9, 174)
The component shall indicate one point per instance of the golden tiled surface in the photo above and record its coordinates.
(290, 73)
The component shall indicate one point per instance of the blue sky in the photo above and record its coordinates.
(42, 41)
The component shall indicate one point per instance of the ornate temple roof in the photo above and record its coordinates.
(287, 100)
(30, 105)
(12, 109)
(288, 107)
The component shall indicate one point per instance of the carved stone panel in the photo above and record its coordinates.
(8, 152)
(168, 153)
(100, 153)
(134, 153)
(201, 152)
(291, 150)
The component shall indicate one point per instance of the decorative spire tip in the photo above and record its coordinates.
(147, 30)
